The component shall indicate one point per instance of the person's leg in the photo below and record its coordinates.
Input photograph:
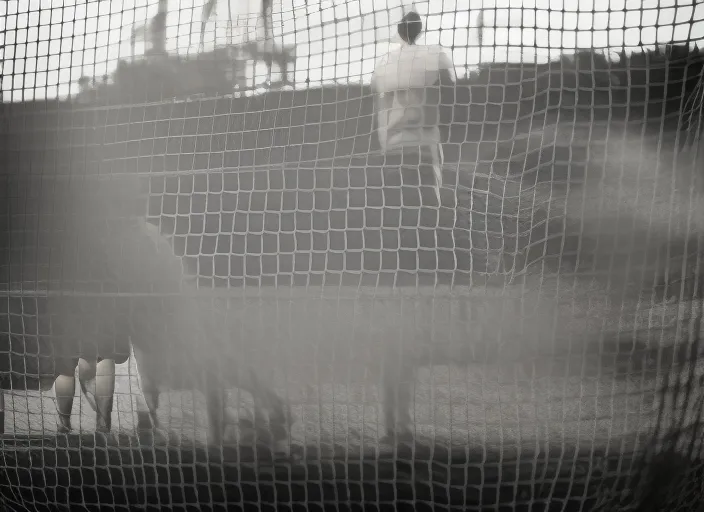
(437, 160)
(414, 184)
(429, 164)
(413, 177)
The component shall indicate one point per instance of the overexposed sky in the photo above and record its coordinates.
(49, 44)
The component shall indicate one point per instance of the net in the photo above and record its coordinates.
(214, 211)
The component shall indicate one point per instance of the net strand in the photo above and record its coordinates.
(529, 338)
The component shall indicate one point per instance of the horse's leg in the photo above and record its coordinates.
(265, 398)
(216, 403)
(215, 399)
(269, 410)
(104, 394)
(86, 379)
(397, 380)
(280, 419)
(150, 390)
(64, 388)
(146, 420)
(97, 383)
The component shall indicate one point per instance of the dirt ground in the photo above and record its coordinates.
(334, 389)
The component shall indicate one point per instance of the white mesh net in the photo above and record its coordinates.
(214, 211)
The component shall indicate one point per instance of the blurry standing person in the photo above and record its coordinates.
(406, 85)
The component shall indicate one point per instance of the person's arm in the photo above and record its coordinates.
(448, 77)
(447, 70)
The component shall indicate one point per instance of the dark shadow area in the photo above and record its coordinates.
(119, 474)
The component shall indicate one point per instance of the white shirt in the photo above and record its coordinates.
(403, 81)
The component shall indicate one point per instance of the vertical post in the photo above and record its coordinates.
(229, 24)
(480, 32)
(157, 29)
(2, 411)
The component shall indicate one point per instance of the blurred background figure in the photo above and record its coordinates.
(406, 106)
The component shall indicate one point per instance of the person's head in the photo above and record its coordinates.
(410, 27)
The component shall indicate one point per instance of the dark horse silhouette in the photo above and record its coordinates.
(104, 279)
(54, 244)
(185, 341)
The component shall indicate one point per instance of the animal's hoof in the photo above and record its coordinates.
(404, 439)
(103, 429)
(245, 424)
(279, 431)
(103, 438)
(153, 437)
(145, 437)
(281, 449)
(144, 421)
(63, 429)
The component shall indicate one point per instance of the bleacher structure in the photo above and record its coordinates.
(286, 250)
